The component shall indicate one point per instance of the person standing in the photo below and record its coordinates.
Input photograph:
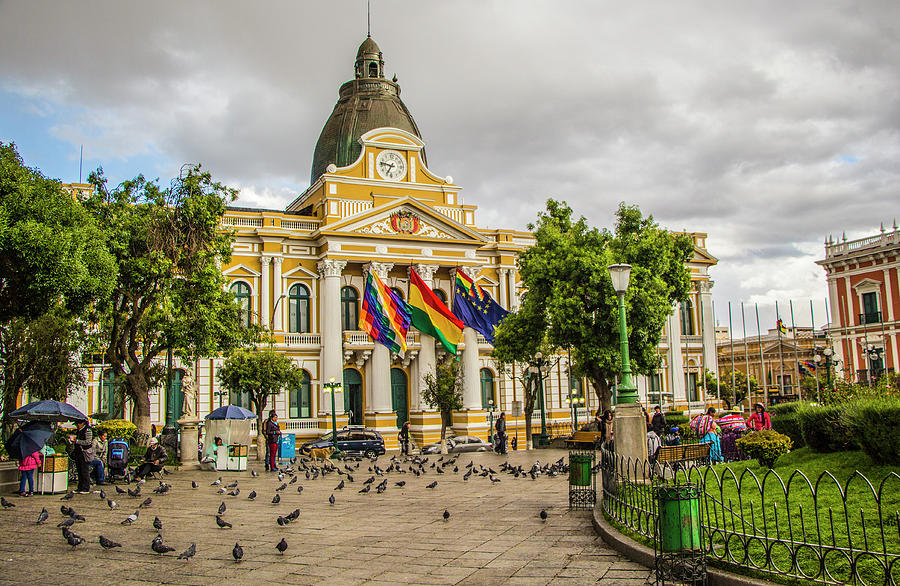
(98, 464)
(658, 421)
(403, 437)
(760, 419)
(500, 429)
(607, 430)
(82, 444)
(273, 437)
(708, 431)
(26, 473)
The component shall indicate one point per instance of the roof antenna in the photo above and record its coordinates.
(369, 19)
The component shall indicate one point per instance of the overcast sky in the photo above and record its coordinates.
(768, 125)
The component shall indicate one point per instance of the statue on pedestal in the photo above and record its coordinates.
(188, 409)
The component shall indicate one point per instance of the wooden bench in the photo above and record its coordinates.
(679, 455)
(584, 439)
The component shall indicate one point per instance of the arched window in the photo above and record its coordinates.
(373, 69)
(487, 387)
(441, 295)
(301, 400)
(397, 292)
(687, 318)
(241, 292)
(298, 309)
(349, 309)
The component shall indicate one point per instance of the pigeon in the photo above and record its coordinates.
(146, 503)
(281, 546)
(370, 480)
(339, 486)
(446, 514)
(76, 517)
(217, 482)
(222, 508)
(276, 499)
(235, 492)
(293, 515)
(194, 484)
(543, 515)
(432, 485)
(252, 495)
(73, 539)
(331, 499)
(221, 491)
(282, 487)
(232, 485)
(42, 518)
(102, 495)
(282, 521)
(189, 552)
(365, 489)
(222, 523)
(66, 510)
(237, 552)
(67, 522)
(401, 484)
(254, 473)
(350, 478)
(120, 490)
(131, 518)
(494, 479)
(157, 524)
(159, 547)
(299, 488)
(134, 493)
(112, 504)
(293, 480)
(108, 543)
(68, 496)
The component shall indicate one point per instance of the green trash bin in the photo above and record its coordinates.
(679, 518)
(580, 469)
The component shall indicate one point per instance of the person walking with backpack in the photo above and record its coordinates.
(273, 438)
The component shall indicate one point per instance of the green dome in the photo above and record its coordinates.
(370, 101)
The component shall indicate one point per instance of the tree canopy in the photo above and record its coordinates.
(721, 386)
(569, 301)
(443, 391)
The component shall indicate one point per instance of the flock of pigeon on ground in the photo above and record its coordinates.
(415, 465)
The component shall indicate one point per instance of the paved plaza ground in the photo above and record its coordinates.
(494, 534)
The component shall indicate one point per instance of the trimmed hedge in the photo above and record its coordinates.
(766, 446)
(789, 425)
(784, 408)
(687, 433)
(824, 428)
(874, 425)
(673, 420)
(116, 428)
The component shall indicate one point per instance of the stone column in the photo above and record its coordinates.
(380, 381)
(504, 277)
(332, 334)
(471, 382)
(708, 326)
(513, 294)
(426, 361)
(264, 291)
(675, 357)
(276, 294)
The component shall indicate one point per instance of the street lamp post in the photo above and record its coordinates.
(825, 355)
(873, 354)
(626, 391)
(491, 421)
(574, 400)
(275, 312)
(537, 369)
(220, 395)
(332, 388)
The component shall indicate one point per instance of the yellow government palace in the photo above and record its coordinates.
(376, 204)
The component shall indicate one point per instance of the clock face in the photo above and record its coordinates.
(391, 165)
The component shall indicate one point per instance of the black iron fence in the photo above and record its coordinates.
(816, 529)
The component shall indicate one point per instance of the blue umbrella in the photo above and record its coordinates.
(28, 439)
(231, 412)
(48, 411)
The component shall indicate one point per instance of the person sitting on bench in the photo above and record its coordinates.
(154, 459)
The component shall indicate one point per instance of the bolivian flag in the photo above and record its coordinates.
(431, 316)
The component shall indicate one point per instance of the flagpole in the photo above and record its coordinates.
(746, 351)
(780, 325)
(796, 354)
(762, 360)
(716, 347)
(731, 344)
(812, 318)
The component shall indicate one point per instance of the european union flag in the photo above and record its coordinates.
(479, 312)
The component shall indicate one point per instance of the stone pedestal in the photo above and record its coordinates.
(630, 431)
(189, 439)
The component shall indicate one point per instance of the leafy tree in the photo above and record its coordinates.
(723, 390)
(443, 391)
(259, 373)
(40, 356)
(51, 250)
(169, 291)
(570, 302)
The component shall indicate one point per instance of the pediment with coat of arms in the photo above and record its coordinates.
(405, 222)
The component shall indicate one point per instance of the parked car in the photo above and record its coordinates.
(353, 440)
(459, 444)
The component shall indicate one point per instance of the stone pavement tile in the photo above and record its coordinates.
(530, 581)
(627, 575)
(487, 576)
(584, 573)
(535, 571)
(507, 563)
(400, 576)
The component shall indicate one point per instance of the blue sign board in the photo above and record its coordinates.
(288, 448)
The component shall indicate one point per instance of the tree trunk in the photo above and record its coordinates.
(603, 392)
(260, 438)
(528, 429)
(140, 395)
(444, 432)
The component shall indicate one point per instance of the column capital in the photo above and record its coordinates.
(381, 269)
(503, 272)
(471, 271)
(705, 287)
(277, 260)
(265, 260)
(330, 267)
(426, 271)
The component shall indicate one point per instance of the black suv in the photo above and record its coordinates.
(353, 440)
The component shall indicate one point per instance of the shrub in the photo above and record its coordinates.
(789, 425)
(674, 413)
(766, 446)
(116, 428)
(873, 424)
(784, 408)
(675, 420)
(824, 428)
(687, 433)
